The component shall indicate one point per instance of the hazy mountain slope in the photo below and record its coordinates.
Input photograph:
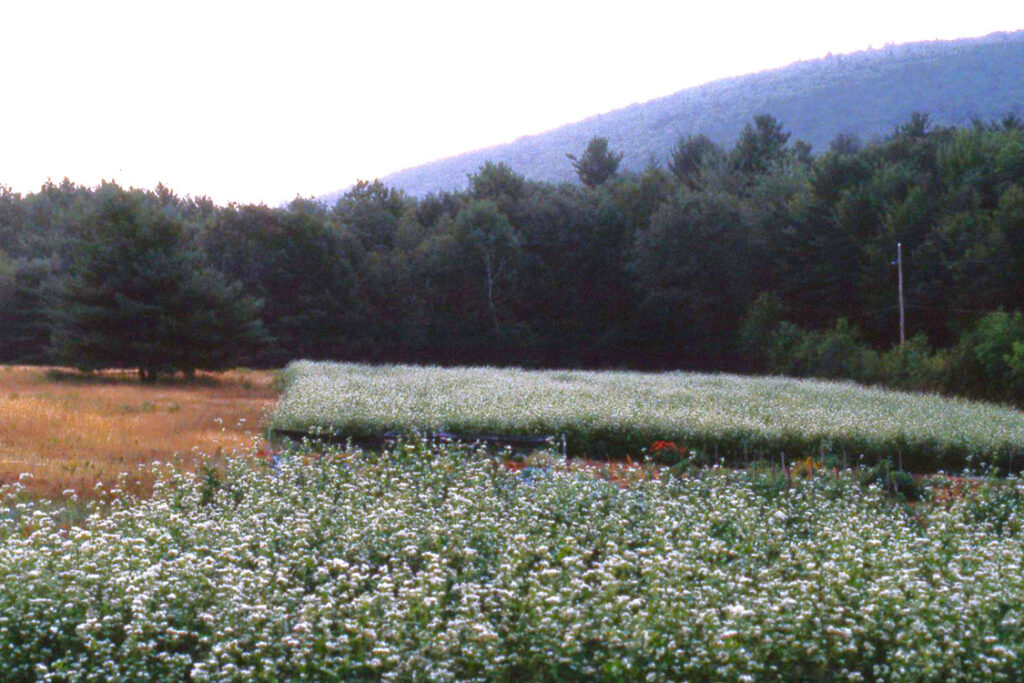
(867, 93)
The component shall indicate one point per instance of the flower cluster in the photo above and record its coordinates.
(434, 563)
(615, 413)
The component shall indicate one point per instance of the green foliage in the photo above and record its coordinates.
(895, 481)
(372, 212)
(490, 245)
(828, 354)
(987, 361)
(1015, 365)
(692, 265)
(915, 366)
(691, 156)
(993, 339)
(302, 269)
(759, 325)
(25, 310)
(597, 163)
(6, 275)
(845, 144)
(139, 295)
(10, 218)
(497, 182)
(761, 145)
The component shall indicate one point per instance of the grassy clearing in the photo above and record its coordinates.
(71, 434)
(437, 564)
(618, 413)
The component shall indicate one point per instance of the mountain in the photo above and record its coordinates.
(865, 93)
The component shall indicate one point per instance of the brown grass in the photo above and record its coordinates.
(73, 433)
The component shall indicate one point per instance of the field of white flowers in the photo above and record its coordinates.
(438, 564)
(620, 413)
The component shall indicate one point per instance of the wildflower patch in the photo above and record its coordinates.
(669, 416)
(430, 562)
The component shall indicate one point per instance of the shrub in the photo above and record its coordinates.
(915, 366)
(987, 361)
(829, 354)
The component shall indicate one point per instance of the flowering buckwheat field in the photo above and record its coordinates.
(435, 563)
(621, 413)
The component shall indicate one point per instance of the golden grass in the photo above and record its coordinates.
(71, 434)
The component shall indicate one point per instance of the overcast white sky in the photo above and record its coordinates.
(260, 102)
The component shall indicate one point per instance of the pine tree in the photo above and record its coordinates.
(597, 164)
(760, 145)
(138, 294)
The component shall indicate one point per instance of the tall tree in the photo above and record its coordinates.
(138, 294)
(489, 241)
(692, 272)
(597, 163)
(10, 218)
(689, 157)
(497, 182)
(303, 269)
(24, 309)
(760, 146)
(372, 212)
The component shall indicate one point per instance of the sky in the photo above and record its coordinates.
(254, 102)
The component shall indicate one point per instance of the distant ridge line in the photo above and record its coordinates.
(865, 93)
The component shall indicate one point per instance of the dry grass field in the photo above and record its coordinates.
(72, 433)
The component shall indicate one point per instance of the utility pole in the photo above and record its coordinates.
(899, 266)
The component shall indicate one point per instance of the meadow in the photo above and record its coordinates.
(708, 417)
(71, 433)
(437, 563)
(441, 561)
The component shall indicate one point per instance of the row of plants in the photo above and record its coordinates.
(435, 563)
(601, 414)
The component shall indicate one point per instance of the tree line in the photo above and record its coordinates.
(762, 257)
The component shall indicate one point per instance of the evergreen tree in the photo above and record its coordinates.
(597, 164)
(760, 145)
(138, 294)
(24, 324)
(690, 155)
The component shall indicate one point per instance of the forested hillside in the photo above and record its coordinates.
(864, 94)
(756, 257)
